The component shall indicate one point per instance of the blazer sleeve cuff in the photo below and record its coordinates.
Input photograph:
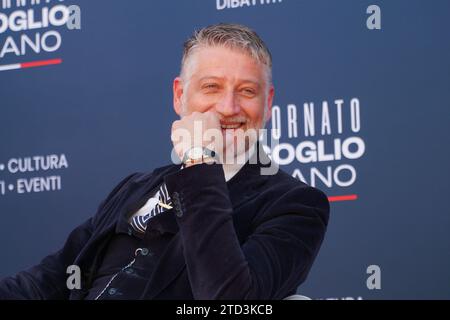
(199, 188)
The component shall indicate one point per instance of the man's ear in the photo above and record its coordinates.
(177, 95)
(269, 102)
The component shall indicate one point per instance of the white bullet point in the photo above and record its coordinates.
(11, 187)
(2, 167)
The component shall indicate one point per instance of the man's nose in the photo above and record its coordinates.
(228, 105)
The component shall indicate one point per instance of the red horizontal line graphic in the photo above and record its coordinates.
(40, 63)
(348, 197)
(15, 66)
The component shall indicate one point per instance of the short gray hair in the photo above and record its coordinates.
(233, 36)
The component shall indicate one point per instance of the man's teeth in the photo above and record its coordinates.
(231, 126)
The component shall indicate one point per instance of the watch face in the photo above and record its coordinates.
(195, 153)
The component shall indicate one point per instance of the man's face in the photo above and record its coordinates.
(229, 82)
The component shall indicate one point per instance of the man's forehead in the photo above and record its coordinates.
(207, 55)
(220, 63)
(217, 53)
(247, 79)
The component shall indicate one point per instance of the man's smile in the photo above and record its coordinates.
(231, 125)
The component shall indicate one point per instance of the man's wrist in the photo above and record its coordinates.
(192, 162)
(198, 155)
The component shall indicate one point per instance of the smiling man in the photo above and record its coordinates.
(224, 88)
(210, 228)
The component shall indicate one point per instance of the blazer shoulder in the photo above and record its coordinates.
(139, 178)
(142, 177)
(161, 171)
(283, 182)
(288, 189)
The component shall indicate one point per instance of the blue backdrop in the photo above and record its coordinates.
(98, 97)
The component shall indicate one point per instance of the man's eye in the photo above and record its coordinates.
(211, 86)
(248, 91)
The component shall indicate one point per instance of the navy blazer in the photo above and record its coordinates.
(253, 237)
